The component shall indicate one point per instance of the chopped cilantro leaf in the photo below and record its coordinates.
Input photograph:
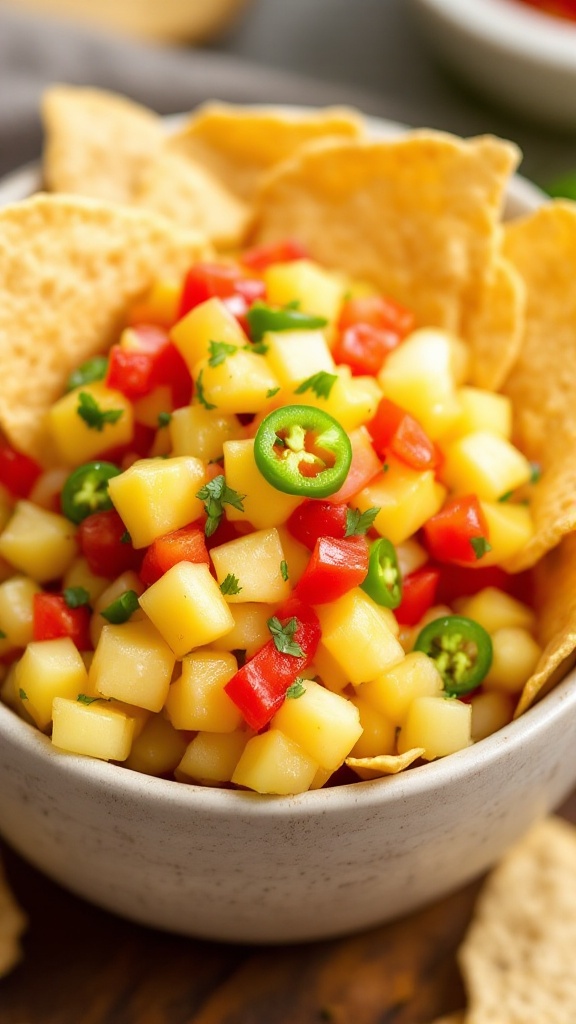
(84, 698)
(89, 371)
(536, 472)
(199, 392)
(295, 690)
(230, 585)
(22, 694)
(259, 347)
(480, 545)
(164, 418)
(215, 494)
(271, 392)
(320, 383)
(122, 608)
(284, 569)
(75, 597)
(125, 538)
(2, 634)
(219, 352)
(506, 496)
(358, 523)
(283, 636)
(94, 417)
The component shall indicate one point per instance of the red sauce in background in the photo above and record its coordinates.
(559, 8)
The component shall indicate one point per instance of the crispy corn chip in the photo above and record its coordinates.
(12, 925)
(517, 958)
(239, 144)
(96, 143)
(383, 764)
(495, 327)
(452, 1018)
(542, 384)
(555, 599)
(69, 267)
(417, 216)
(182, 190)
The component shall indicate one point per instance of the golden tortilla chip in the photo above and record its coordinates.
(96, 143)
(453, 1018)
(418, 216)
(495, 327)
(69, 267)
(383, 764)
(542, 383)
(182, 190)
(555, 600)
(517, 958)
(239, 144)
(12, 925)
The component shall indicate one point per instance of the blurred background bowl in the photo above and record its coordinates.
(518, 56)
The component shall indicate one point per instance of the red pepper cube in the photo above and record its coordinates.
(335, 567)
(53, 618)
(418, 595)
(106, 546)
(397, 431)
(217, 280)
(187, 544)
(262, 256)
(458, 532)
(18, 472)
(316, 518)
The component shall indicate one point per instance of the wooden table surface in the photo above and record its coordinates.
(82, 965)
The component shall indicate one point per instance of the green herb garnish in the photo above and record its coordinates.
(283, 636)
(215, 495)
(94, 417)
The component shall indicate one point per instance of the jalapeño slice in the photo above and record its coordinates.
(300, 449)
(461, 650)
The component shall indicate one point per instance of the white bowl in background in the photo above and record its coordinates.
(518, 56)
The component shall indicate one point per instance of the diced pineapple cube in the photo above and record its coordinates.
(411, 556)
(17, 611)
(209, 321)
(315, 289)
(187, 607)
(197, 699)
(256, 561)
(392, 692)
(158, 748)
(49, 669)
(440, 725)
(484, 410)
(296, 355)
(495, 609)
(96, 729)
(491, 711)
(515, 655)
(202, 432)
(358, 636)
(250, 630)
(406, 497)
(323, 723)
(39, 543)
(148, 409)
(128, 580)
(211, 758)
(263, 505)
(352, 401)
(510, 527)
(378, 732)
(132, 663)
(79, 441)
(330, 672)
(421, 376)
(156, 496)
(160, 305)
(296, 555)
(274, 763)
(485, 464)
(240, 384)
(79, 574)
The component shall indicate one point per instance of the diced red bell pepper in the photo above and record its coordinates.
(187, 544)
(218, 280)
(52, 619)
(335, 567)
(395, 430)
(377, 311)
(364, 348)
(418, 595)
(155, 361)
(462, 581)
(449, 535)
(259, 688)
(104, 543)
(18, 472)
(315, 518)
(262, 256)
(364, 467)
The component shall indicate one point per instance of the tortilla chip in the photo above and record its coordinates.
(542, 383)
(96, 143)
(453, 1018)
(12, 925)
(239, 144)
(555, 601)
(383, 764)
(182, 190)
(417, 216)
(517, 958)
(495, 327)
(70, 266)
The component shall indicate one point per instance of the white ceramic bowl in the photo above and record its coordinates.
(242, 867)
(518, 56)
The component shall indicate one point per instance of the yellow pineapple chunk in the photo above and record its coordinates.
(330, 672)
(358, 637)
(406, 497)
(133, 664)
(95, 729)
(197, 699)
(128, 580)
(392, 692)
(158, 748)
(250, 630)
(37, 542)
(485, 464)
(211, 757)
(491, 711)
(17, 611)
(515, 655)
(241, 383)
(148, 409)
(79, 438)
(484, 410)
(160, 305)
(209, 321)
(296, 355)
(495, 609)
(274, 763)
(79, 574)
(324, 724)
(315, 289)
(421, 376)
(263, 505)
(49, 669)
(378, 732)
(256, 561)
(440, 725)
(187, 607)
(156, 496)
(296, 555)
(202, 432)
(352, 401)
(510, 527)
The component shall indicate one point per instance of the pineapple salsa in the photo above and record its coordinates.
(272, 552)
